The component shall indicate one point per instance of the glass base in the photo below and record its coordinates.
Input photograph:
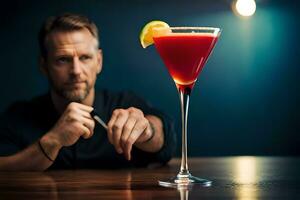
(184, 182)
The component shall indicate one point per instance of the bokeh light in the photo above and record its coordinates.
(245, 8)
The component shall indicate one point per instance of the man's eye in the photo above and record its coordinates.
(83, 58)
(63, 60)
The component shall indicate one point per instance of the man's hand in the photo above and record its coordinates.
(75, 122)
(127, 127)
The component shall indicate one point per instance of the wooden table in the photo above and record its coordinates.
(233, 178)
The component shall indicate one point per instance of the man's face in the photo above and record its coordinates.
(72, 64)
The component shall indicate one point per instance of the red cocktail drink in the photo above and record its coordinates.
(185, 54)
(185, 51)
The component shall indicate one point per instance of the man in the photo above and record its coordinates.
(56, 130)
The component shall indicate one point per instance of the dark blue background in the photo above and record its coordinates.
(246, 99)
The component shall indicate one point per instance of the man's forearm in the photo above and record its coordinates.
(156, 143)
(32, 158)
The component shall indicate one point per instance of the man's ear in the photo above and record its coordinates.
(43, 66)
(99, 60)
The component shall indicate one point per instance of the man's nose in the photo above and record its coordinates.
(76, 67)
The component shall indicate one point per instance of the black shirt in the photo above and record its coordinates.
(25, 122)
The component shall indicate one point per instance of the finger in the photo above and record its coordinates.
(127, 129)
(117, 128)
(75, 112)
(128, 145)
(85, 108)
(146, 134)
(81, 106)
(85, 132)
(89, 123)
(110, 125)
(84, 113)
(138, 129)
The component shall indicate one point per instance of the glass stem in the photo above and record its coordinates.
(184, 95)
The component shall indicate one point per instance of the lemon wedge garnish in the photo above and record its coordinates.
(147, 33)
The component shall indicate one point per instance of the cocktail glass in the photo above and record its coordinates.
(184, 51)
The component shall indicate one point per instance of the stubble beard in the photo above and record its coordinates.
(72, 95)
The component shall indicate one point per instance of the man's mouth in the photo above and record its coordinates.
(75, 83)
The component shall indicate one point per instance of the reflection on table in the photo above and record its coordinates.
(239, 178)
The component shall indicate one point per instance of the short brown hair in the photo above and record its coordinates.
(65, 22)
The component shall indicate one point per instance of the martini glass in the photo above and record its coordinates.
(184, 51)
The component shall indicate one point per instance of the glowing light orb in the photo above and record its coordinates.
(245, 8)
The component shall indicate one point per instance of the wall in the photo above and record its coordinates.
(246, 99)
